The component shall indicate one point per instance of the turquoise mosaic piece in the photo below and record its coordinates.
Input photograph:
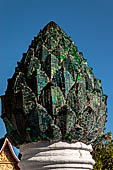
(53, 94)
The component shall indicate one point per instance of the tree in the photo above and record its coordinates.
(103, 153)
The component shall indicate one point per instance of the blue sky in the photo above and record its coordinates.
(88, 22)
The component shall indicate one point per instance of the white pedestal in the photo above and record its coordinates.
(56, 156)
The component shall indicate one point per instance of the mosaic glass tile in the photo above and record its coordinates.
(53, 94)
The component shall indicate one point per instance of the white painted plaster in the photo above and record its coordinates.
(46, 155)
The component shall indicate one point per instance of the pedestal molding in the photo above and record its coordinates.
(44, 155)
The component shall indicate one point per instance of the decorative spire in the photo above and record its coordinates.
(53, 94)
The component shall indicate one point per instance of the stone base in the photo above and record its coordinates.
(56, 156)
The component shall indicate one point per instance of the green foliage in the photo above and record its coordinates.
(103, 153)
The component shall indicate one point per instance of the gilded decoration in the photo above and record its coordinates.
(7, 162)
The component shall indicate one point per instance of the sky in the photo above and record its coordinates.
(88, 22)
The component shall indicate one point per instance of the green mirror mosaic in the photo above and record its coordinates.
(53, 94)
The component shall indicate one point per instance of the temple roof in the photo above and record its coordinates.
(3, 142)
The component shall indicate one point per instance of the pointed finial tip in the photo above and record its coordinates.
(52, 23)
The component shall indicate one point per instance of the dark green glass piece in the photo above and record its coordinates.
(62, 56)
(69, 137)
(35, 139)
(28, 129)
(78, 77)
